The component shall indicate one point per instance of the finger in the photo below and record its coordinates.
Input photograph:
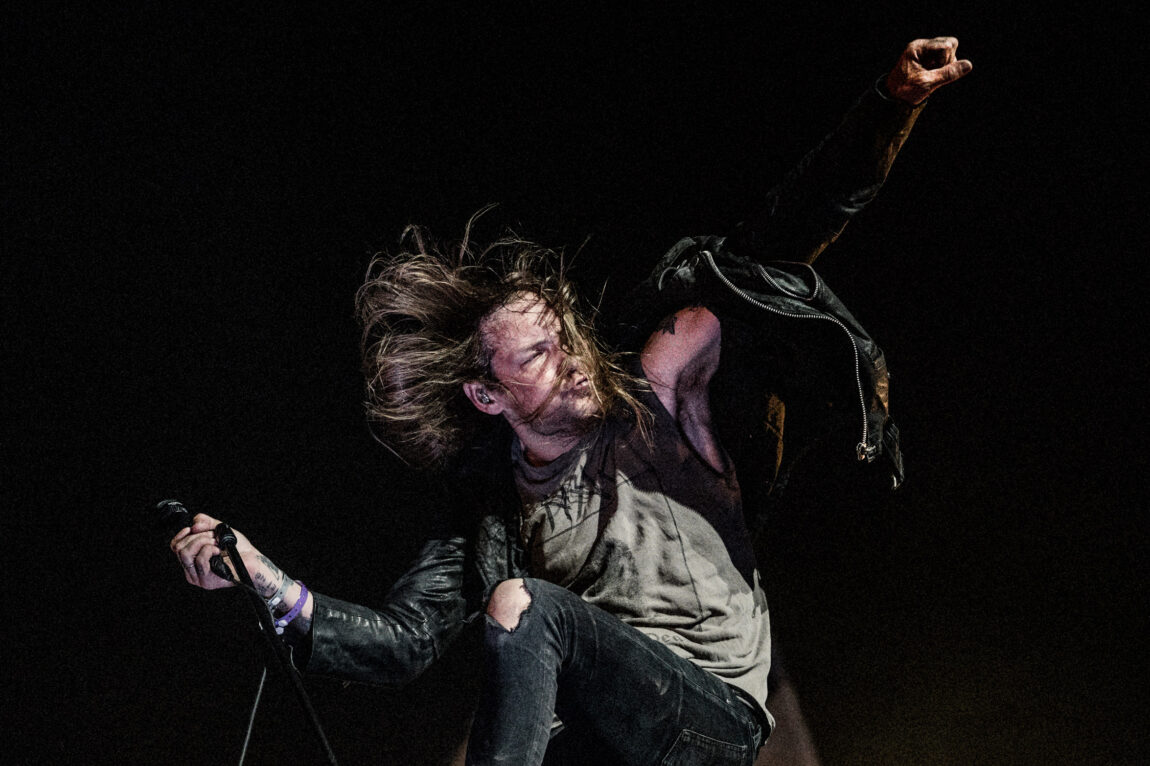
(202, 522)
(917, 47)
(188, 550)
(937, 52)
(193, 572)
(944, 41)
(949, 73)
(191, 541)
(190, 573)
(178, 537)
(203, 560)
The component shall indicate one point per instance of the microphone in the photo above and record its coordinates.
(171, 517)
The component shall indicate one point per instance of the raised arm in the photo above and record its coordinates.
(808, 210)
(679, 360)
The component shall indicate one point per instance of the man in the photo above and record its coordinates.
(603, 530)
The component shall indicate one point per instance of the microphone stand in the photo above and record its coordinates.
(227, 541)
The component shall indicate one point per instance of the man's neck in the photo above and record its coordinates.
(540, 450)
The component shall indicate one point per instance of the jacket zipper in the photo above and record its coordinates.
(861, 449)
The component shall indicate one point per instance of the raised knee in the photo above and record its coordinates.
(509, 601)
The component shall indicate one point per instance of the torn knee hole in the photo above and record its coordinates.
(509, 601)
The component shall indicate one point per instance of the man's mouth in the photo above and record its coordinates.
(581, 387)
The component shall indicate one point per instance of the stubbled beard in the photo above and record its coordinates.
(566, 421)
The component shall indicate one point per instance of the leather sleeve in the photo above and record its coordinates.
(808, 210)
(421, 614)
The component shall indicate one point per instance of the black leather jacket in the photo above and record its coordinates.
(768, 312)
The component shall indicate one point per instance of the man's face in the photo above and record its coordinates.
(545, 389)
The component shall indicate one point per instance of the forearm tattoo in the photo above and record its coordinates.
(268, 578)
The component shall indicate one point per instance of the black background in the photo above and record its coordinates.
(191, 197)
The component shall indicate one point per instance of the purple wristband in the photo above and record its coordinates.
(282, 622)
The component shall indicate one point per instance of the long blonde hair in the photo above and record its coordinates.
(422, 313)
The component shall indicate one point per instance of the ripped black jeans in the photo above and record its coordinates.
(622, 697)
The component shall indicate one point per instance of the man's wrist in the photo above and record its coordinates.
(290, 598)
(899, 105)
(277, 598)
(882, 88)
(294, 614)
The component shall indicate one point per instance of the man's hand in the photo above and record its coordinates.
(194, 546)
(924, 67)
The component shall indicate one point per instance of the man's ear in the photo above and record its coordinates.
(482, 398)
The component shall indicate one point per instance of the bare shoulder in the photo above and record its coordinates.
(681, 356)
